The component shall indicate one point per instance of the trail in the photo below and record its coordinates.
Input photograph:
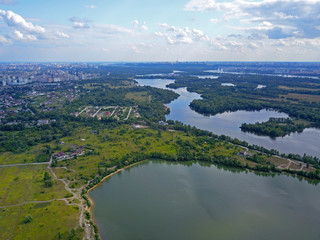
(96, 112)
(47, 201)
(76, 194)
(290, 162)
(22, 164)
(128, 114)
(113, 111)
(81, 111)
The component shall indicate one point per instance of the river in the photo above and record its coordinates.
(160, 200)
(229, 123)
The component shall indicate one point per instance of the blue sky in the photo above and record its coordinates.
(140, 30)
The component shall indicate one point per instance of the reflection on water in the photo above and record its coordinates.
(158, 200)
(158, 83)
(229, 123)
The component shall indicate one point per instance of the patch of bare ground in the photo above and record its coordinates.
(277, 161)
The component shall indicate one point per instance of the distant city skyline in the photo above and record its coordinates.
(182, 30)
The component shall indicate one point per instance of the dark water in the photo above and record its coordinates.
(228, 123)
(159, 200)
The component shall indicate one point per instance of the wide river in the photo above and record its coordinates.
(160, 200)
(229, 123)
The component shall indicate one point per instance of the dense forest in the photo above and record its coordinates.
(274, 127)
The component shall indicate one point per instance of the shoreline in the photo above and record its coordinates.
(90, 209)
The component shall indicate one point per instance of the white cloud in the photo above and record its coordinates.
(111, 29)
(201, 5)
(20, 36)
(4, 40)
(176, 35)
(15, 20)
(80, 25)
(140, 26)
(281, 15)
(61, 34)
(79, 22)
(135, 23)
(302, 16)
(20, 29)
(214, 20)
(90, 6)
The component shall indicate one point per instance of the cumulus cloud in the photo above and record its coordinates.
(15, 20)
(79, 22)
(140, 26)
(25, 30)
(61, 34)
(299, 18)
(20, 36)
(176, 35)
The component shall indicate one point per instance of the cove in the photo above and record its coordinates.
(229, 123)
(162, 200)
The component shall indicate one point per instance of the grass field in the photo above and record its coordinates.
(20, 187)
(302, 97)
(28, 156)
(138, 96)
(297, 89)
(48, 220)
(25, 184)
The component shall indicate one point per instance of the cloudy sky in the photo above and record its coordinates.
(153, 30)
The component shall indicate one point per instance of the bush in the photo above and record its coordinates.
(27, 219)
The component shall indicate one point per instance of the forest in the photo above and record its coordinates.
(274, 127)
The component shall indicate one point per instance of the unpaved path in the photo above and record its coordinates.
(22, 164)
(76, 195)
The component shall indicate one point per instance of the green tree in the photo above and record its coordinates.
(27, 219)
(47, 180)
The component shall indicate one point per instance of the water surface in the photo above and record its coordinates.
(159, 200)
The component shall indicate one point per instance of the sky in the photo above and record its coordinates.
(153, 30)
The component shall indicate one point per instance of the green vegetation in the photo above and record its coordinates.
(28, 219)
(25, 184)
(47, 180)
(275, 127)
(38, 221)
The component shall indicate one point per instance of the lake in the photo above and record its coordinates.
(229, 123)
(160, 200)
